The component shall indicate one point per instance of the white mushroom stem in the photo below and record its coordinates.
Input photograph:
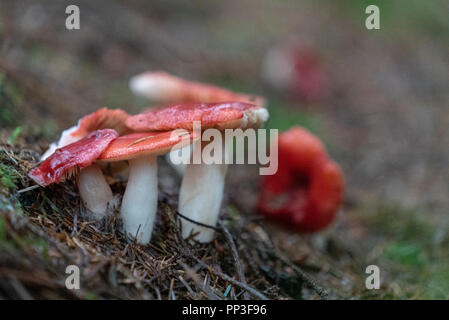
(94, 190)
(139, 204)
(179, 167)
(200, 199)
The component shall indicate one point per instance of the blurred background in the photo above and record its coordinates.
(377, 98)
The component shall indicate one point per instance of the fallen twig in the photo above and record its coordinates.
(304, 276)
(225, 277)
(235, 254)
(192, 274)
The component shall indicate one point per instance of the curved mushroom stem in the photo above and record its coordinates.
(139, 203)
(200, 198)
(94, 190)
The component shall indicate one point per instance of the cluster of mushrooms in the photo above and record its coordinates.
(114, 136)
(305, 193)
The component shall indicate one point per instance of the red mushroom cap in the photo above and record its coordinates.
(325, 198)
(146, 143)
(163, 87)
(300, 148)
(311, 80)
(296, 69)
(65, 161)
(211, 115)
(103, 118)
(307, 190)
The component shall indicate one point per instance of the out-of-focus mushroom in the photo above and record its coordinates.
(162, 87)
(295, 69)
(307, 190)
(139, 202)
(202, 186)
(78, 158)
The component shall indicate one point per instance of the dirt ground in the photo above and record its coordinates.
(384, 119)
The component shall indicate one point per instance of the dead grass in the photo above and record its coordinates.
(46, 229)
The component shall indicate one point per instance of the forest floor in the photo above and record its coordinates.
(385, 120)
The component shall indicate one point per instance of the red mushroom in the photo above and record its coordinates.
(295, 69)
(80, 156)
(307, 190)
(202, 185)
(101, 119)
(163, 87)
(92, 176)
(139, 202)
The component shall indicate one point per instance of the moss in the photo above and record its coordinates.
(395, 16)
(91, 296)
(283, 118)
(10, 97)
(28, 241)
(14, 135)
(402, 224)
(40, 244)
(414, 255)
(2, 230)
(9, 177)
(407, 254)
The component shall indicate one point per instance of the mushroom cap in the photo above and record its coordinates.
(146, 143)
(307, 190)
(211, 115)
(103, 118)
(163, 87)
(325, 198)
(295, 68)
(65, 161)
(300, 148)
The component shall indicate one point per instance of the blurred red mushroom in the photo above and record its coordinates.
(295, 69)
(307, 190)
(162, 87)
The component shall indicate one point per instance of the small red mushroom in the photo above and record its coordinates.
(92, 176)
(79, 157)
(295, 69)
(307, 190)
